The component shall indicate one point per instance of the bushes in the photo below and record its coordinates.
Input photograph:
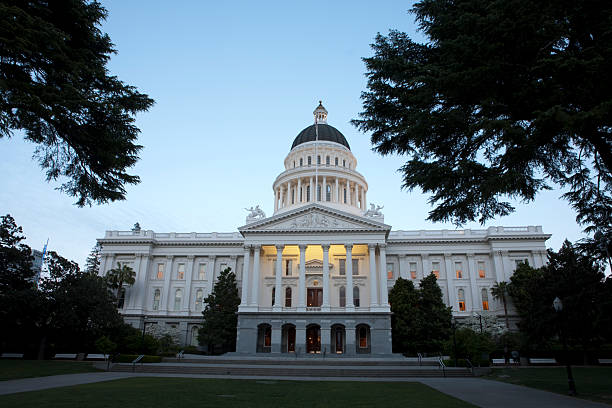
(128, 358)
(474, 346)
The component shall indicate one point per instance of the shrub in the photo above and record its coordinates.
(128, 358)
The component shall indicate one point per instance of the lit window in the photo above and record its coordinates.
(356, 296)
(355, 266)
(435, 269)
(198, 300)
(327, 161)
(342, 267)
(413, 270)
(342, 296)
(180, 272)
(481, 270)
(202, 272)
(178, 297)
(389, 271)
(160, 271)
(461, 299)
(459, 270)
(156, 298)
(288, 297)
(363, 337)
(336, 162)
(485, 299)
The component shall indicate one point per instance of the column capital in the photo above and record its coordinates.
(448, 254)
(169, 257)
(382, 246)
(246, 248)
(371, 247)
(325, 247)
(212, 257)
(256, 247)
(302, 247)
(233, 257)
(470, 254)
(190, 257)
(349, 247)
(279, 247)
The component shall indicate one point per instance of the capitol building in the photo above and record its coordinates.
(314, 276)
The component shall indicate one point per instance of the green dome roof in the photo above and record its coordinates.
(326, 132)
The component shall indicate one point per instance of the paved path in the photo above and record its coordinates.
(478, 391)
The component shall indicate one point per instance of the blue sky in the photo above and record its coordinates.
(234, 83)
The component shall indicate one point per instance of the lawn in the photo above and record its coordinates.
(12, 369)
(594, 383)
(193, 392)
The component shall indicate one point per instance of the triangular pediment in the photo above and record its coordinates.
(315, 217)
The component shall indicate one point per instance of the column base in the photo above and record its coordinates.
(247, 308)
(325, 308)
(380, 308)
(277, 309)
(301, 308)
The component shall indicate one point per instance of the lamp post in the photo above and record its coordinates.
(558, 306)
(144, 326)
(454, 327)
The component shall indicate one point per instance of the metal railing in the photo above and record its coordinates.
(442, 366)
(136, 361)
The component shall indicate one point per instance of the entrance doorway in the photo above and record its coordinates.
(288, 339)
(313, 339)
(338, 338)
(314, 297)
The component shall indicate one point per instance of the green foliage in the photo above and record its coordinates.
(220, 319)
(105, 346)
(472, 345)
(15, 258)
(579, 283)
(500, 292)
(167, 345)
(92, 263)
(420, 320)
(504, 99)
(55, 86)
(119, 276)
(136, 344)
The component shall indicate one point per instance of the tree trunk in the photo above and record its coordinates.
(41, 347)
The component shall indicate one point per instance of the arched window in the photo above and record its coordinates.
(485, 299)
(301, 162)
(121, 298)
(198, 300)
(273, 295)
(309, 160)
(194, 335)
(356, 296)
(156, 298)
(327, 161)
(461, 299)
(178, 297)
(342, 296)
(288, 297)
(328, 193)
(336, 162)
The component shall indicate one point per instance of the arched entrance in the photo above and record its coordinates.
(264, 338)
(288, 339)
(338, 339)
(362, 337)
(313, 339)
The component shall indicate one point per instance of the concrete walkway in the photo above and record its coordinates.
(478, 391)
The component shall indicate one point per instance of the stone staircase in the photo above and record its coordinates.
(298, 367)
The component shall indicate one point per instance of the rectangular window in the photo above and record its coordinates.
(485, 305)
(355, 267)
(309, 160)
(336, 161)
(435, 269)
(180, 271)
(459, 270)
(288, 267)
(342, 267)
(413, 270)
(389, 271)
(319, 160)
(482, 273)
(202, 272)
(314, 297)
(160, 271)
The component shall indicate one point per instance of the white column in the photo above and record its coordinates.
(210, 273)
(142, 282)
(312, 192)
(255, 281)
(298, 193)
(363, 204)
(373, 278)
(302, 280)
(450, 282)
(103, 263)
(348, 192)
(275, 200)
(349, 277)
(337, 191)
(167, 277)
(325, 306)
(324, 190)
(498, 265)
(245, 277)
(403, 267)
(384, 295)
(357, 195)
(508, 266)
(472, 274)
(288, 193)
(188, 277)
(279, 269)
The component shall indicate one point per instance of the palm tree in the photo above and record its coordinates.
(119, 276)
(500, 292)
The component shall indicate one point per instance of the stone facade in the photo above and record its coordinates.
(314, 277)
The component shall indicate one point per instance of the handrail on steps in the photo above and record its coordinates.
(136, 361)
(442, 366)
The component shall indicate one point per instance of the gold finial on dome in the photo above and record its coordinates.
(320, 114)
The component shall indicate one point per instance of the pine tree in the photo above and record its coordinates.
(220, 319)
(404, 299)
(434, 325)
(92, 264)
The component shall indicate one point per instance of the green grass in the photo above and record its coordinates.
(13, 369)
(593, 383)
(192, 392)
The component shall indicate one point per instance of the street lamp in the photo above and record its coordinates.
(558, 306)
(454, 327)
(144, 326)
